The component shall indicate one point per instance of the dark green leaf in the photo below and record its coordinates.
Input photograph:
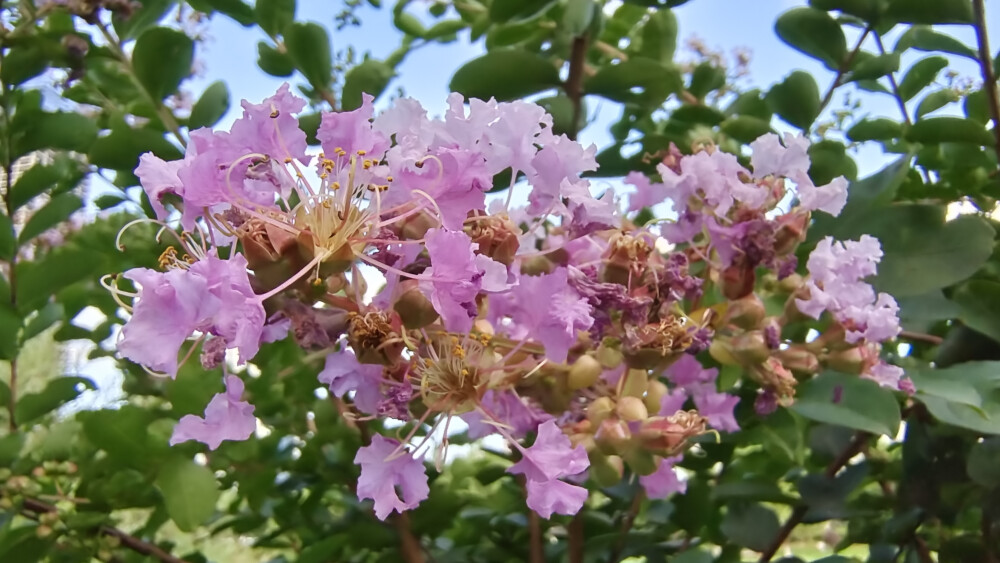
(51, 214)
(921, 75)
(868, 10)
(966, 395)
(409, 24)
(38, 280)
(976, 107)
(45, 318)
(273, 16)
(122, 433)
(745, 128)
(561, 109)
(752, 526)
(930, 12)
(848, 400)
(24, 61)
(148, 13)
(370, 77)
(121, 149)
(659, 36)
(211, 106)
(705, 78)
(750, 103)
(814, 33)
(273, 62)
(517, 9)
(189, 492)
(875, 67)
(59, 391)
(8, 243)
(506, 75)
(829, 159)
(923, 38)
(949, 130)
(984, 459)
(880, 129)
(617, 82)
(10, 446)
(444, 30)
(10, 327)
(162, 59)
(577, 16)
(796, 99)
(239, 11)
(59, 130)
(62, 175)
(979, 306)
(309, 123)
(309, 47)
(935, 101)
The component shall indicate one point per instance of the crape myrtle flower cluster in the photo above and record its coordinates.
(575, 334)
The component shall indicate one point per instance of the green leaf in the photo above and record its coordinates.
(147, 14)
(868, 10)
(656, 82)
(189, 492)
(10, 328)
(751, 526)
(577, 16)
(309, 124)
(506, 75)
(561, 109)
(829, 159)
(273, 62)
(58, 130)
(848, 400)
(59, 391)
(239, 11)
(517, 9)
(45, 318)
(309, 47)
(659, 36)
(121, 149)
(7, 242)
(950, 129)
(37, 281)
(122, 433)
(921, 75)
(445, 29)
(815, 33)
(924, 38)
(53, 213)
(273, 16)
(796, 99)
(750, 103)
(371, 77)
(211, 106)
(979, 306)
(976, 107)
(24, 61)
(880, 129)
(875, 67)
(954, 407)
(162, 59)
(984, 459)
(930, 12)
(705, 78)
(62, 175)
(10, 447)
(935, 101)
(745, 128)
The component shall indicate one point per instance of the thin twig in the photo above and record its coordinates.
(627, 523)
(852, 449)
(575, 532)
(893, 83)
(135, 544)
(574, 81)
(845, 65)
(8, 168)
(930, 338)
(536, 552)
(986, 528)
(986, 67)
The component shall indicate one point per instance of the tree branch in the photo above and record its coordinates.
(894, 84)
(576, 538)
(135, 544)
(574, 81)
(536, 552)
(842, 70)
(986, 67)
(852, 449)
(929, 338)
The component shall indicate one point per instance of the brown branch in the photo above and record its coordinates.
(536, 553)
(627, 522)
(574, 81)
(892, 82)
(930, 338)
(575, 531)
(845, 65)
(135, 544)
(986, 67)
(409, 545)
(852, 449)
(986, 527)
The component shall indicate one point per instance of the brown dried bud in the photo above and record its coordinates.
(791, 232)
(415, 310)
(497, 237)
(851, 360)
(738, 280)
(749, 348)
(799, 360)
(747, 312)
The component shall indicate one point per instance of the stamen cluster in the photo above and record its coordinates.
(563, 320)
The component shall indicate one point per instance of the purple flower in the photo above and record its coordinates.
(830, 198)
(240, 318)
(456, 277)
(456, 179)
(380, 477)
(664, 481)
(890, 376)
(687, 371)
(271, 127)
(556, 167)
(507, 408)
(159, 178)
(351, 132)
(546, 497)
(343, 373)
(226, 418)
(771, 158)
(552, 456)
(718, 409)
(546, 308)
(647, 194)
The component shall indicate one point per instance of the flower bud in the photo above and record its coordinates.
(536, 266)
(791, 232)
(497, 237)
(636, 381)
(599, 410)
(607, 470)
(747, 312)
(415, 310)
(43, 531)
(416, 226)
(799, 361)
(749, 348)
(613, 437)
(720, 350)
(851, 360)
(738, 281)
(584, 372)
(654, 394)
(791, 284)
(632, 409)
(609, 357)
